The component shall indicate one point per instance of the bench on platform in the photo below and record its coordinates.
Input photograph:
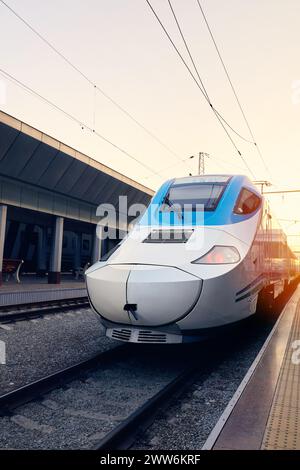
(11, 267)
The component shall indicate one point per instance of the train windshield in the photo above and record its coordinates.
(204, 195)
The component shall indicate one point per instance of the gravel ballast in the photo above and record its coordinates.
(79, 414)
(39, 347)
(186, 424)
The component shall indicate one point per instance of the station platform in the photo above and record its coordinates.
(33, 289)
(264, 413)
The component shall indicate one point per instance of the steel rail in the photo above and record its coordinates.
(39, 309)
(124, 435)
(40, 387)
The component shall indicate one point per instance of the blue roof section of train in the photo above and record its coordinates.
(222, 215)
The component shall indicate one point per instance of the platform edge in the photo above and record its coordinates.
(216, 431)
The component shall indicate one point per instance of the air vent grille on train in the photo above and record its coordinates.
(121, 334)
(146, 336)
(136, 335)
(169, 236)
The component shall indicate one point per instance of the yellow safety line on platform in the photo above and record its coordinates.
(283, 426)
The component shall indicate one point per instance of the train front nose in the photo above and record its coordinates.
(142, 294)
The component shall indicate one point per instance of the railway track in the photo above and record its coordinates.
(9, 314)
(124, 435)
(27, 393)
(106, 400)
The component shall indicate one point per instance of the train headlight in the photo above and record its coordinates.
(220, 255)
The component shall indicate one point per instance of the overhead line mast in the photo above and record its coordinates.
(201, 162)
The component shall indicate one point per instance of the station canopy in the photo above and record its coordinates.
(30, 156)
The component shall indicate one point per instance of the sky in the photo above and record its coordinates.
(119, 45)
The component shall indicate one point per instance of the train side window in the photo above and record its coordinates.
(247, 202)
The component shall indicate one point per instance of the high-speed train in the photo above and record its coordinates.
(198, 258)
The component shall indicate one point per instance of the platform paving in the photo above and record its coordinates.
(33, 289)
(266, 413)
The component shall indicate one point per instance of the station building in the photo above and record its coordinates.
(49, 194)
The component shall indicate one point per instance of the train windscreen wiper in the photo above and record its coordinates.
(173, 206)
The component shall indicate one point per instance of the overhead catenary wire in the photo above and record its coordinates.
(215, 159)
(203, 91)
(291, 224)
(199, 77)
(188, 51)
(97, 88)
(232, 86)
(91, 82)
(75, 119)
(217, 114)
(225, 162)
(285, 191)
(221, 163)
(169, 167)
(220, 118)
(290, 220)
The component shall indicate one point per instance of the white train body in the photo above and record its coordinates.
(181, 272)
